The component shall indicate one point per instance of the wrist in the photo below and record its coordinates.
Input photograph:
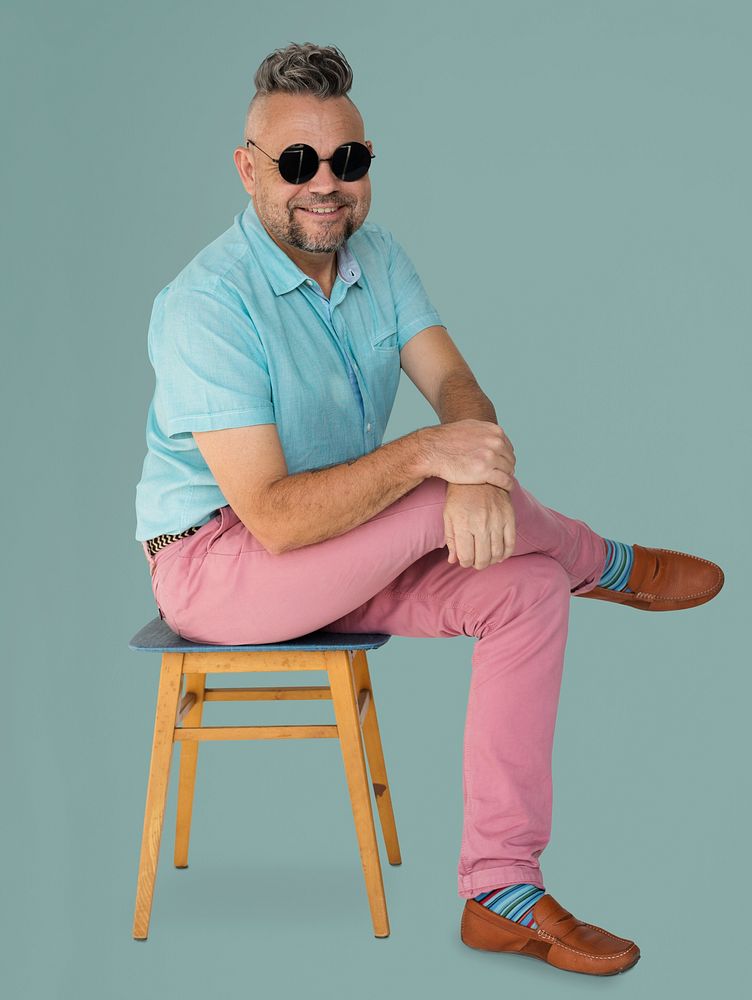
(423, 453)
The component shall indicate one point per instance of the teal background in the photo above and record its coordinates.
(582, 223)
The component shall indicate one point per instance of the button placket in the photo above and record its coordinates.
(342, 340)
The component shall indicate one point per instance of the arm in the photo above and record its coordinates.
(286, 512)
(432, 361)
(312, 506)
(460, 397)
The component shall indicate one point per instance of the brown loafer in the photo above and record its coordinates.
(559, 939)
(664, 580)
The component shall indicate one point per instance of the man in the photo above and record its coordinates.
(269, 508)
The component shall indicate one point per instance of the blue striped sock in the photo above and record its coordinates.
(619, 559)
(515, 902)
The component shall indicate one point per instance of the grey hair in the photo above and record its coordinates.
(301, 68)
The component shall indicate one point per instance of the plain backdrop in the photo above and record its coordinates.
(571, 179)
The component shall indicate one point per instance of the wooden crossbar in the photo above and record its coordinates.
(267, 693)
(261, 732)
(202, 733)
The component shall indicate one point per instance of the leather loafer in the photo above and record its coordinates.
(664, 580)
(559, 939)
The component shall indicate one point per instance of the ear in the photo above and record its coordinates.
(245, 168)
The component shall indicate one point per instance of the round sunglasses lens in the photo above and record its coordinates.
(351, 161)
(298, 163)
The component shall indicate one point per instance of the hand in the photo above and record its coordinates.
(468, 452)
(479, 524)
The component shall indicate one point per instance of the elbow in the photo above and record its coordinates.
(273, 544)
(271, 530)
(267, 537)
(275, 548)
(278, 543)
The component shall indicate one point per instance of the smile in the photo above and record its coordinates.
(323, 213)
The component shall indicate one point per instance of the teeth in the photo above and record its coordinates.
(322, 211)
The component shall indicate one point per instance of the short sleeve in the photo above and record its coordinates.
(210, 365)
(414, 309)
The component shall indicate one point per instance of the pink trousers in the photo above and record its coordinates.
(390, 574)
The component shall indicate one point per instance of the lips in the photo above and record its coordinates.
(322, 215)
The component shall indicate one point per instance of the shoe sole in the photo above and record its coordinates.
(621, 597)
(582, 972)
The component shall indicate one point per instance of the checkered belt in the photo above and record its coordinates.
(159, 542)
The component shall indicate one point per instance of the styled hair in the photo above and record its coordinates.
(301, 68)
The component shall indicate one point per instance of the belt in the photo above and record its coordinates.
(159, 541)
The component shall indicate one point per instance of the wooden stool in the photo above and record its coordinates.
(343, 657)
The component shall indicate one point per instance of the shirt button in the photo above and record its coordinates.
(308, 281)
(368, 427)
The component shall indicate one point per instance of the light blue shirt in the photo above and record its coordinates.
(243, 336)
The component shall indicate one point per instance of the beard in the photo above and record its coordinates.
(290, 226)
(330, 239)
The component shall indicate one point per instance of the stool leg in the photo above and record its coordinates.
(375, 755)
(351, 743)
(194, 684)
(156, 794)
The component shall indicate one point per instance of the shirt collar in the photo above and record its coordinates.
(283, 273)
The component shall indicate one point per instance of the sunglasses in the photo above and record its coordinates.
(299, 163)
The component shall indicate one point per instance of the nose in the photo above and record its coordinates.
(324, 180)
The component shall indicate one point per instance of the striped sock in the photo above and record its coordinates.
(515, 902)
(619, 559)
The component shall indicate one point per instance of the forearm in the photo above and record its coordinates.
(462, 398)
(312, 506)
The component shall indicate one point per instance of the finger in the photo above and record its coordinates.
(449, 542)
(449, 536)
(497, 545)
(496, 477)
(507, 452)
(503, 460)
(482, 551)
(464, 543)
(510, 537)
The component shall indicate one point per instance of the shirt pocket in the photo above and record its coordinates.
(385, 338)
(382, 371)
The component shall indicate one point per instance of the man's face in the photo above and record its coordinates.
(281, 206)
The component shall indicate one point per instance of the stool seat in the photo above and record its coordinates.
(157, 637)
(181, 696)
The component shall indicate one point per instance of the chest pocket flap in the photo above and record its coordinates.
(385, 338)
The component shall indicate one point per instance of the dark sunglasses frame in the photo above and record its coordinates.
(294, 157)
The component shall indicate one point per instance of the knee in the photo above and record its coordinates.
(544, 576)
(530, 584)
